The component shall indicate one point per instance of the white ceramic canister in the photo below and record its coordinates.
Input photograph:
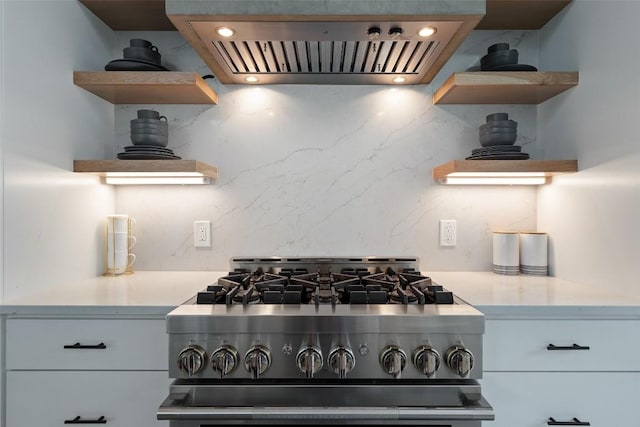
(534, 253)
(506, 252)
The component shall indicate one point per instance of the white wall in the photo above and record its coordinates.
(2, 108)
(325, 170)
(593, 217)
(52, 218)
(2, 124)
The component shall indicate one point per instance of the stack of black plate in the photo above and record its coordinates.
(147, 152)
(498, 152)
(497, 137)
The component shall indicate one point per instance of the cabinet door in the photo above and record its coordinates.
(528, 399)
(521, 345)
(47, 399)
(129, 344)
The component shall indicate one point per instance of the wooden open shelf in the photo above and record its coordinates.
(520, 14)
(101, 167)
(131, 15)
(149, 15)
(548, 167)
(146, 87)
(503, 87)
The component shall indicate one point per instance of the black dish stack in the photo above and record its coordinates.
(150, 136)
(497, 137)
(141, 55)
(500, 58)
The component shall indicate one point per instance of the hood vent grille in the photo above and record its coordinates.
(336, 57)
(325, 41)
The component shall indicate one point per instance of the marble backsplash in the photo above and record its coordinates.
(325, 170)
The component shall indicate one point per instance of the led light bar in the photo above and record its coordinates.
(147, 178)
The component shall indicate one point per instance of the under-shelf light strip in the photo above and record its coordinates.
(495, 178)
(155, 178)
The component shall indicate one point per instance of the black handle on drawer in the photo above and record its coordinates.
(568, 347)
(78, 420)
(573, 422)
(77, 345)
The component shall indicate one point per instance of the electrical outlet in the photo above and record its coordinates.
(448, 232)
(202, 234)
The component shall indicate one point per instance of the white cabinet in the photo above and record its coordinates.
(87, 344)
(49, 398)
(529, 399)
(528, 381)
(521, 345)
(59, 369)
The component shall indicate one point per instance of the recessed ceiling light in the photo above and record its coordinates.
(251, 79)
(399, 80)
(426, 31)
(225, 32)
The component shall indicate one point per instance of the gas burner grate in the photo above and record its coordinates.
(353, 285)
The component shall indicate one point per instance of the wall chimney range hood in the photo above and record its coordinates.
(325, 41)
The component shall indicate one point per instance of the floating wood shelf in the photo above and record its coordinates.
(520, 14)
(131, 15)
(146, 87)
(131, 167)
(149, 15)
(546, 168)
(503, 87)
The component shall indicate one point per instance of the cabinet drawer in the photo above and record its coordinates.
(521, 345)
(128, 344)
(528, 399)
(47, 399)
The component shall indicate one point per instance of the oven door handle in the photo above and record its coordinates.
(173, 408)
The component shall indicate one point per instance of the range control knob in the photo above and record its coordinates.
(393, 360)
(341, 361)
(224, 360)
(309, 360)
(257, 360)
(191, 360)
(426, 360)
(459, 360)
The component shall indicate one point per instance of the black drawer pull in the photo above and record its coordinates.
(568, 347)
(78, 420)
(77, 345)
(574, 422)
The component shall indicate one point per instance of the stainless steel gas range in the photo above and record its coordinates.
(362, 340)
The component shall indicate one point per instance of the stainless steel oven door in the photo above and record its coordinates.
(428, 403)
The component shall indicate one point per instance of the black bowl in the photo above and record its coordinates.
(497, 116)
(146, 43)
(489, 140)
(499, 125)
(142, 53)
(501, 57)
(497, 47)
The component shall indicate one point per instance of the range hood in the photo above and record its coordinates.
(325, 41)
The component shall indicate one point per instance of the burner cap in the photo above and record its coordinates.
(399, 296)
(246, 296)
(324, 296)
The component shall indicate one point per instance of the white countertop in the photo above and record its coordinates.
(140, 293)
(155, 293)
(523, 296)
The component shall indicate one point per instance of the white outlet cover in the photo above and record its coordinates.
(448, 232)
(202, 234)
